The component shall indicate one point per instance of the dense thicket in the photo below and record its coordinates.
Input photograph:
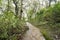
(11, 27)
(13, 13)
(48, 20)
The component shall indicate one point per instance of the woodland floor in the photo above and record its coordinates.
(33, 33)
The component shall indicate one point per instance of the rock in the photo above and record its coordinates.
(33, 33)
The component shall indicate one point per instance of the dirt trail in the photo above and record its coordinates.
(33, 33)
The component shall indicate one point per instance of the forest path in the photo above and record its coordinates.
(33, 33)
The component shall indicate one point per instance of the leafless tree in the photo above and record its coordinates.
(16, 7)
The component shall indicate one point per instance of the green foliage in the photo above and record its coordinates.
(30, 13)
(52, 14)
(48, 20)
(39, 14)
(56, 11)
(0, 2)
(52, 17)
(47, 36)
(10, 26)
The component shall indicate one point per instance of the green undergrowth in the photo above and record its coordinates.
(11, 27)
(48, 21)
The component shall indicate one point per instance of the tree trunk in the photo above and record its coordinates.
(16, 7)
(21, 10)
(8, 7)
(49, 3)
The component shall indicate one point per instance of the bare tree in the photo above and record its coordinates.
(8, 6)
(51, 1)
(21, 9)
(16, 7)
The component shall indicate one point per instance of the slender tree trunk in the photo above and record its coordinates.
(16, 7)
(55, 1)
(18, 10)
(49, 3)
(21, 10)
(8, 7)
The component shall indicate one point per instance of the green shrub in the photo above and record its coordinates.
(11, 26)
(47, 36)
(48, 20)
